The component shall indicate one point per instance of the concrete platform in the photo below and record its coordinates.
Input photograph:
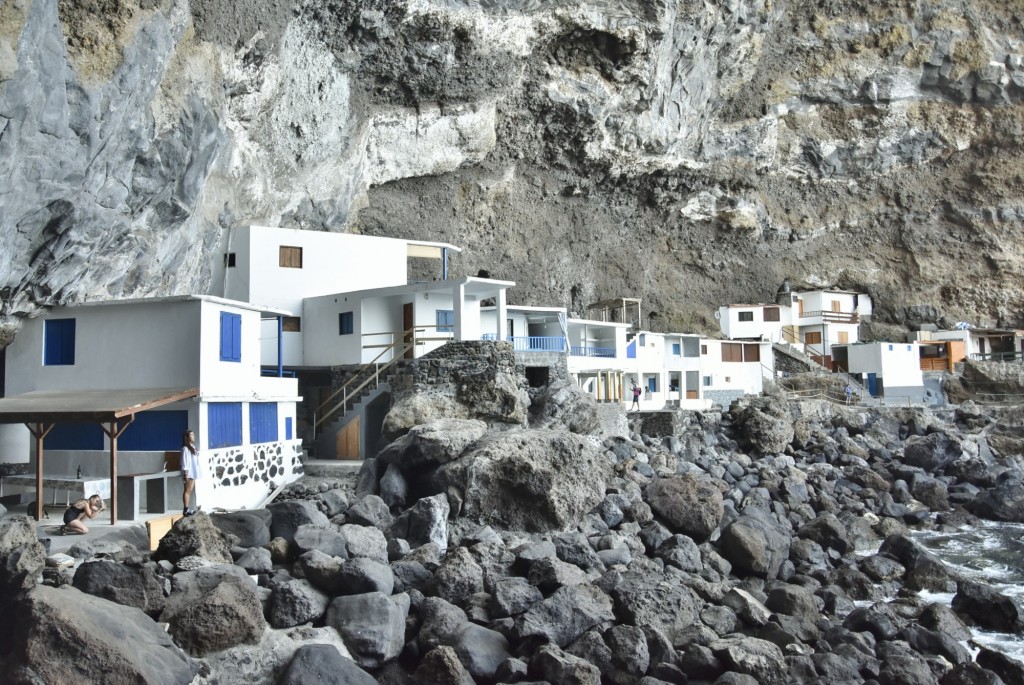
(332, 468)
(99, 529)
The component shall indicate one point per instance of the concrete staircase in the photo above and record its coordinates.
(796, 355)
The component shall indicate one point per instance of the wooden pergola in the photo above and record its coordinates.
(113, 410)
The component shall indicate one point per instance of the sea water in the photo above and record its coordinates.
(990, 552)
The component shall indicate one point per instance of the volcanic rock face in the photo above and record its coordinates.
(659, 144)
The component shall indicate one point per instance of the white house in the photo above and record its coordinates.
(755, 321)
(986, 344)
(244, 422)
(811, 320)
(891, 370)
(351, 294)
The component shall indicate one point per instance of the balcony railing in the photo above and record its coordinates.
(998, 357)
(537, 343)
(829, 316)
(585, 351)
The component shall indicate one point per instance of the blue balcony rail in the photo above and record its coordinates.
(537, 343)
(584, 351)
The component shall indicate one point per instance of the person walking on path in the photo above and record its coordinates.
(191, 471)
(636, 397)
(849, 393)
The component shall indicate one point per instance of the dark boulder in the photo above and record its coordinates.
(1003, 502)
(565, 615)
(67, 636)
(372, 626)
(214, 608)
(755, 544)
(689, 505)
(194, 536)
(425, 521)
(250, 528)
(318, 663)
(289, 515)
(137, 587)
(987, 608)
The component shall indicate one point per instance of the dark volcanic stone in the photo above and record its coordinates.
(323, 664)
(689, 505)
(987, 607)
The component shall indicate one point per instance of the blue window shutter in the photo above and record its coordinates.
(230, 337)
(224, 424)
(652, 384)
(59, 342)
(288, 428)
(262, 422)
(155, 431)
(445, 320)
(676, 349)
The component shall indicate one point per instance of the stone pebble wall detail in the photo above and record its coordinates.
(264, 463)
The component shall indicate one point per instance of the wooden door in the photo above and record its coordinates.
(407, 324)
(347, 444)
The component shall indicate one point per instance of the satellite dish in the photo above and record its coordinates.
(718, 315)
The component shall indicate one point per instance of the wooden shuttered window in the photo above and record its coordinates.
(291, 257)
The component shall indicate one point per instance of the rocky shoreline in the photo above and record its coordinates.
(767, 543)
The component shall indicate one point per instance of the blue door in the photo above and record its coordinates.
(872, 385)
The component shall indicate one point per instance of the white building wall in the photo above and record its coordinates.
(226, 377)
(901, 365)
(123, 346)
(734, 329)
(331, 263)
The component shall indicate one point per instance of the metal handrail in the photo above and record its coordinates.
(830, 316)
(343, 390)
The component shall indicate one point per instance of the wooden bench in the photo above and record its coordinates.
(157, 528)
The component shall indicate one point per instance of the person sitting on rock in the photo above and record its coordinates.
(74, 516)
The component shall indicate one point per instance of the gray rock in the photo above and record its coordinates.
(481, 650)
(53, 628)
(372, 626)
(549, 574)
(368, 478)
(828, 531)
(932, 452)
(1003, 502)
(255, 560)
(681, 552)
(323, 571)
(459, 577)
(335, 502)
(363, 541)
(441, 665)
(646, 595)
(536, 480)
(756, 545)
(22, 557)
(925, 571)
(628, 645)
(433, 444)
(988, 608)
(556, 666)
(756, 658)
(688, 505)
(307, 538)
(137, 587)
(214, 609)
(394, 490)
(318, 663)
(565, 615)
(290, 515)
(369, 510)
(251, 529)
(410, 575)
(426, 521)
(294, 601)
(360, 576)
(194, 536)
(512, 596)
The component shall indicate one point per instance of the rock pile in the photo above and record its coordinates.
(765, 544)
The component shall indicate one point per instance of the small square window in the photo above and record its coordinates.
(771, 314)
(746, 316)
(291, 257)
(230, 337)
(677, 349)
(229, 260)
(346, 322)
(707, 381)
(703, 349)
(291, 324)
(890, 348)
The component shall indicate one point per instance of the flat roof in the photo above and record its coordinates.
(263, 309)
(760, 304)
(101, 406)
(481, 287)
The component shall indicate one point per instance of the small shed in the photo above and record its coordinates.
(113, 410)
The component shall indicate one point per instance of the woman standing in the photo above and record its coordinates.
(190, 469)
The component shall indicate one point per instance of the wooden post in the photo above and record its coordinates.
(114, 432)
(40, 431)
